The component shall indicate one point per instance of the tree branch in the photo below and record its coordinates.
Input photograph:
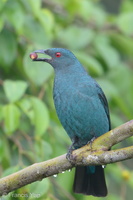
(92, 154)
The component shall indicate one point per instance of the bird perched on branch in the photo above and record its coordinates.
(83, 111)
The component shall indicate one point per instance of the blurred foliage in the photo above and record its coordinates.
(30, 130)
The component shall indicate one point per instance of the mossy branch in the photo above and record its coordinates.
(96, 153)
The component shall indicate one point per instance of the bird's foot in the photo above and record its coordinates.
(91, 141)
(69, 155)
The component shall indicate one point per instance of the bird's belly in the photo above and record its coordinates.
(81, 121)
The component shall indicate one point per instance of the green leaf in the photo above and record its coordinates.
(125, 23)
(38, 189)
(112, 196)
(46, 18)
(73, 7)
(11, 115)
(35, 5)
(116, 120)
(8, 48)
(108, 87)
(43, 150)
(38, 72)
(129, 95)
(122, 43)
(95, 68)
(127, 6)
(123, 106)
(35, 33)
(109, 54)
(1, 23)
(121, 72)
(16, 15)
(40, 117)
(99, 16)
(75, 38)
(2, 4)
(5, 153)
(26, 106)
(1, 114)
(85, 8)
(1, 150)
(11, 170)
(14, 90)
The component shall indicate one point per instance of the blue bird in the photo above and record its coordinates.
(83, 111)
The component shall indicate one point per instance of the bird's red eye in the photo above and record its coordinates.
(58, 54)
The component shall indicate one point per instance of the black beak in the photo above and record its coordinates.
(34, 55)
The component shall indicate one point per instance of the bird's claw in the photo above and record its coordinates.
(91, 141)
(69, 155)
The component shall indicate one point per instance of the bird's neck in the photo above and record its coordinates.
(70, 72)
(69, 77)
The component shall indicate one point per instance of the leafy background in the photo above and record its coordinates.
(100, 33)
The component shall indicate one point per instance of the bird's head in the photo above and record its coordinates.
(59, 57)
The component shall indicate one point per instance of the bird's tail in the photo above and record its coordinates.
(90, 182)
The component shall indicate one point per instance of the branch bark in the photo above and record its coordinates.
(96, 153)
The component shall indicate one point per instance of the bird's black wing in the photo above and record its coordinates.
(104, 102)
